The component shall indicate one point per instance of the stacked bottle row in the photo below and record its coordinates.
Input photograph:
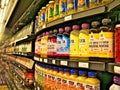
(87, 43)
(60, 8)
(57, 78)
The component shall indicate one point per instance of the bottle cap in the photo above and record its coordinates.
(47, 33)
(73, 71)
(61, 29)
(95, 23)
(85, 25)
(50, 32)
(92, 74)
(82, 73)
(106, 21)
(117, 26)
(44, 34)
(51, 1)
(43, 7)
(55, 30)
(75, 27)
(66, 70)
(67, 28)
(116, 80)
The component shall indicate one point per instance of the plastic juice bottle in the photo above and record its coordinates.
(106, 40)
(92, 83)
(50, 11)
(117, 43)
(39, 19)
(72, 80)
(54, 78)
(71, 6)
(56, 9)
(65, 79)
(94, 40)
(116, 85)
(43, 72)
(80, 80)
(74, 42)
(43, 16)
(82, 5)
(44, 44)
(60, 43)
(84, 42)
(63, 7)
(59, 79)
(45, 77)
(66, 42)
(54, 44)
(37, 46)
(94, 3)
(36, 24)
(46, 13)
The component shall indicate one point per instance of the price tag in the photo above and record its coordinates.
(44, 26)
(67, 18)
(117, 69)
(45, 60)
(83, 65)
(53, 61)
(36, 58)
(40, 59)
(65, 63)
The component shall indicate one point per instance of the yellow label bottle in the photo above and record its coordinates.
(84, 42)
(74, 42)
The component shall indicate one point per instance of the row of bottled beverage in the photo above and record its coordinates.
(56, 9)
(81, 43)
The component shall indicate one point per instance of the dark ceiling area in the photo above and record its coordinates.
(24, 12)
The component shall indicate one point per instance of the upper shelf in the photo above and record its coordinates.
(78, 15)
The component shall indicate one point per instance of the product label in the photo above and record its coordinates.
(43, 17)
(59, 45)
(74, 45)
(92, 87)
(80, 86)
(49, 46)
(106, 44)
(93, 1)
(83, 45)
(53, 46)
(93, 44)
(64, 84)
(72, 85)
(58, 82)
(56, 9)
(66, 44)
(63, 6)
(51, 11)
(81, 3)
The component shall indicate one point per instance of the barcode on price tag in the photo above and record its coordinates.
(53, 61)
(40, 59)
(36, 58)
(117, 69)
(83, 65)
(65, 63)
(45, 60)
(67, 18)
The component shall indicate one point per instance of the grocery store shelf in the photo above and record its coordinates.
(92, 65)
(25, 54)
(113, 68)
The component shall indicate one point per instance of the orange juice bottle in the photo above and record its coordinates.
(53, 80)
(59, 79)
(72, 80)
(92, 83)
(65, 79)
(80, 80)
(46, 77)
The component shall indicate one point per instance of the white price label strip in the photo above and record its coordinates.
(83, 65)
(53, 61)
(65, 63)
(45, 60)
(40, 59)
(67, 18)
(117, 69)
(36, 58)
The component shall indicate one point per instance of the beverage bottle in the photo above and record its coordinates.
(94, 40)
(59, 78)
(74, 42)
(66, 42)
(116, 85)
(80, 80)
(36, 45)
(60, 43)
(106, 37)
(72, 80)
(54, 43)
(84, 42)
(49, 54)
(65, 79)
(56, 9)
(117, 43)
(46, 77)
(92, 83)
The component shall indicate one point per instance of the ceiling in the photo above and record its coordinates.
(24, 12)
